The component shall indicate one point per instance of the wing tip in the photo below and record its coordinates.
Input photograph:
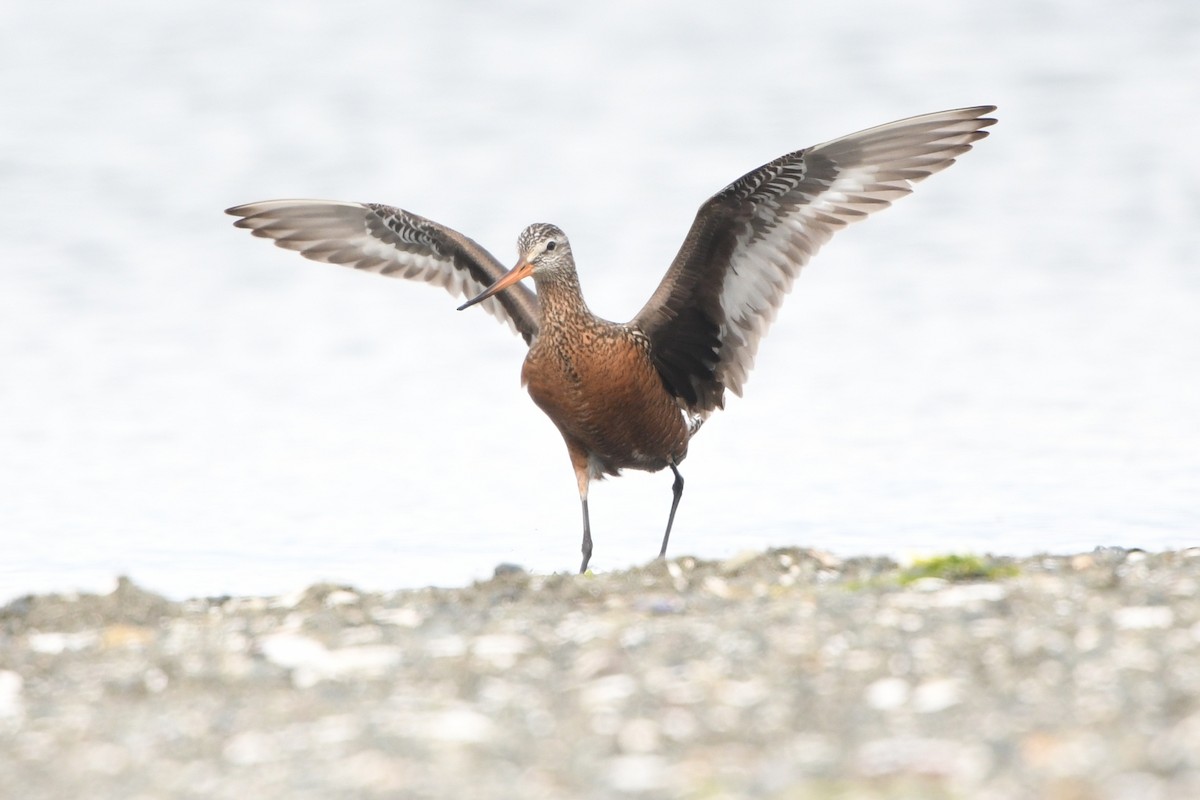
(980, 115)
(263, 206)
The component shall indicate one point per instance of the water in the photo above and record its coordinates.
(1007, 361)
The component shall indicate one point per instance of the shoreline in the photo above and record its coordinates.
(788, 673)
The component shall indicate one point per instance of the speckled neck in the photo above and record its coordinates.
(561, 300)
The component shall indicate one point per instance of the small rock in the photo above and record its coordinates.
(105, 758)
(636, 773)
(53, 643)
(639, 735)
(12, 707)
(290, 650)
(400, 617)
(937, 695)
(717, 586)
(341, 597)
(459, 725)
(1142, 617)
(736, 562)
(929, 584)
(826, 560)
(249, 748)
(741, 694)
(155, 680)
(126, 636)
(886, 694)
(660, 605)
(607, 691)
(500, 650)
(1082, 562)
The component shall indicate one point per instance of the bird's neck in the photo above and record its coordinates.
(561, 301)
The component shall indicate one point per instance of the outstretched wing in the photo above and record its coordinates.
(750, 240)
(393, 242)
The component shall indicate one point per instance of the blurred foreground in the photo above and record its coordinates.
(785, 674)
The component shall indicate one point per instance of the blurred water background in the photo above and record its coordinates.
(1007, 361)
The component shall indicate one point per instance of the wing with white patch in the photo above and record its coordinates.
(750, 240)
(392, 242)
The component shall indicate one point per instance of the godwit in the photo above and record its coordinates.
(631, 395)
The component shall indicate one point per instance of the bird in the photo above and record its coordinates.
(632, 395)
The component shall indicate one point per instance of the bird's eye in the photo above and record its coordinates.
(550, 245)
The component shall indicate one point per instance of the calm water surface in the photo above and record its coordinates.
(1007, 361)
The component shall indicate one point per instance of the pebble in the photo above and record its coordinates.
(11, 705)
(937, 695)
(636, 773)
(1143, 617)
(886, 694)
(462, 725)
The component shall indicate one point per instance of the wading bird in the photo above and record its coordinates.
(631, 395)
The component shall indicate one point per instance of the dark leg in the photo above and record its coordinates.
(587, 539)
(677, 491)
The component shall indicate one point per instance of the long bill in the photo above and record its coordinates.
(522, 270)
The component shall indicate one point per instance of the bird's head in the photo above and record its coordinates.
(542, 252)
(545, 248)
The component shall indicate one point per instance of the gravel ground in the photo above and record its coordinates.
(787, 674)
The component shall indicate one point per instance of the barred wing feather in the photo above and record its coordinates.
(390, 241)
(750, 241)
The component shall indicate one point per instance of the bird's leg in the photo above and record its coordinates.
(677, 492)
(583, 476)
(587, 538)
